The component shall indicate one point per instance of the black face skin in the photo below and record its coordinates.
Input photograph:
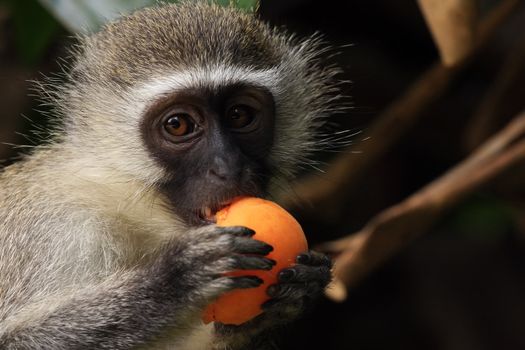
(214, 144)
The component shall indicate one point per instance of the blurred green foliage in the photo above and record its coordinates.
(481, 217)
(35, 29)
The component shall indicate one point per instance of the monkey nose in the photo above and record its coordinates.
(222, 169)
(218, 174)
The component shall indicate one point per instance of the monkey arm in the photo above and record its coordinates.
(134, 308)
(116, 314)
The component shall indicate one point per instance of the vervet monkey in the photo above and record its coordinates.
(107, 238)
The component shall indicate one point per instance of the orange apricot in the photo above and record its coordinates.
(273, 225)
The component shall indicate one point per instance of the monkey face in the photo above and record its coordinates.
(194, 63)
(203, 104)
(213, 144)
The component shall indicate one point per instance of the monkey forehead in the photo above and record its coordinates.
(211, 78)
(178, 37)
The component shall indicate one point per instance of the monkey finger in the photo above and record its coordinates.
(244, 262)
(304, 273)
(293, 292)
(244, 282)
(313, 258)
(244, 245)
(236, 231)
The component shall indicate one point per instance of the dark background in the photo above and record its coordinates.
(462, 285)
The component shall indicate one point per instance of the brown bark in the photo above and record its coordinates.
(396, 226)
(327, 192)
(453, 27)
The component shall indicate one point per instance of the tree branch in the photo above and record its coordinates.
(453, 27)
(396, 226)
(327, 192)
(484, 121)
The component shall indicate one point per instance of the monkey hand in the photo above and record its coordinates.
(196, 263)
(298, 288)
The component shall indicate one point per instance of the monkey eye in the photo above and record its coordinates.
(239, 116)
(179, 124)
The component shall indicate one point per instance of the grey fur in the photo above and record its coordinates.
(90, 255)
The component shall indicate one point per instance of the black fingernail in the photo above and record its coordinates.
(273, 262)
(249, 232)
(303, 259)
(286, 275)
(267, 249)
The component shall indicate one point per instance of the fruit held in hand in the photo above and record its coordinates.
(273, 225)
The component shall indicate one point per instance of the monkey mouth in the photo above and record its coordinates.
(207, 214)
